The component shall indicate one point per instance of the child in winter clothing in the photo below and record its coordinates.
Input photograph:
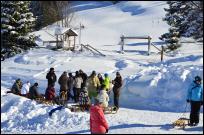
(25, 89)
(107, 82)
(50, 92)
(17, 86)
(98, 123)
(103, 96)
(84, 100)
(33, 92)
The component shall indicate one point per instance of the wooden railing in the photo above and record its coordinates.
(93, 50)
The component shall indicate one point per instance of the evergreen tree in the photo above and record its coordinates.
(192, 24)
(173, 19)
(185, 19)
(16, 22)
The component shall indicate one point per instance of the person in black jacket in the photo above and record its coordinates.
(33, 91)
(51, 76)
(70, 85)
(84, 77)
(117, 82)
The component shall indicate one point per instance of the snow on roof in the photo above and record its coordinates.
(49, 33)
(60, 30)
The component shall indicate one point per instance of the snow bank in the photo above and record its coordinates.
(22, 115)
(162, 88)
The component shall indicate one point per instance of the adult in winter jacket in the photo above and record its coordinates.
(70, 85)
(100, 77)
(117, 82)
(33, 92)
(25, 89)
(84, 77)
(103, 96)
(195, 97)
(51, 77)
(93, 84)
(77, 86)
(63, 81)
(17, 86)
(84, 100)
(107, 82)
(98, 123)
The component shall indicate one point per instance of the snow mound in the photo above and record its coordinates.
(161, 88)
(34, 117)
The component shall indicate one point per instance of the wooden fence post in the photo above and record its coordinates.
(162, 53)
(122, 43)
(149, 43)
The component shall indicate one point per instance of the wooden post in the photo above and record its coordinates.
(122, 44)
(57, 42)
(74, 42)
(149, 43)
(68, 42)
(162, 53)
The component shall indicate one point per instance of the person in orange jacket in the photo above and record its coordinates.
(98, 123)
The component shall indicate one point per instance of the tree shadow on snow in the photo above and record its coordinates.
(78, 132)
(194, 129)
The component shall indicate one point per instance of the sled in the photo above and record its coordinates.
(181, 122)
(43, 101)
(79, 108)
(110, 110)
(63, 98)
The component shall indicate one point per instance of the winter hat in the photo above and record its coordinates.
(98, 101)
(36, 84)
(70, 74)
(106, 74)
(51, 69)
(65, 72)
(94, 72)
(80, 71)
(198, 78)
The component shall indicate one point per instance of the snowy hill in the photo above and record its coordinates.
(153, 94)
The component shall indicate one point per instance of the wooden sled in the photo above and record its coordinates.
(110, 110)
(79, 108)
(181, 122)
(42, 100)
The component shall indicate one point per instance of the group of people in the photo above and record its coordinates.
(96, 88)
(85, 88)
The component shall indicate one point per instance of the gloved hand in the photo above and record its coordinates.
(106, 130)
(188, 100)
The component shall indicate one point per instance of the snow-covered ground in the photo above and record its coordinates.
(153, 94)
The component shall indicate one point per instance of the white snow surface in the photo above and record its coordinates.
(153, 93)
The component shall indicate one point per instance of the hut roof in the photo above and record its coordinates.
(49, 33)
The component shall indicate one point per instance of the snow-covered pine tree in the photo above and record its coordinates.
(192, 24)
(185, 19)
(173, 19)
(16, 22)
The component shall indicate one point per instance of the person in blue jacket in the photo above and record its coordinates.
(195, 97)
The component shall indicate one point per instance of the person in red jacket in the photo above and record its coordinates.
(50, 92)
(98, 123)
